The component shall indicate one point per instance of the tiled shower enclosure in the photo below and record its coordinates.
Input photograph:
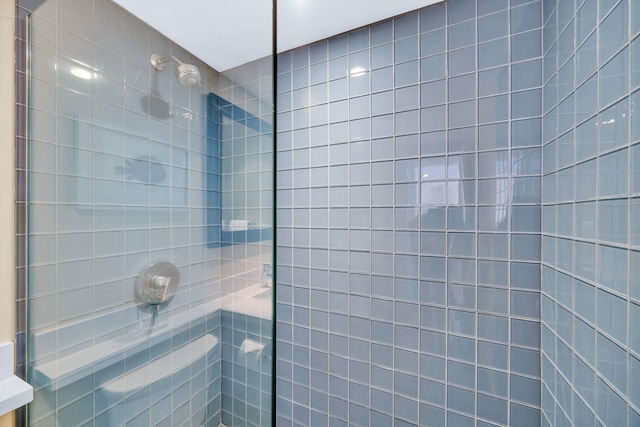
(590, 265)
(409, 190)
(456, 221)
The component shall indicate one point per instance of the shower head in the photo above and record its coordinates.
(188, 74)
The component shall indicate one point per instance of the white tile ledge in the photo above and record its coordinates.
(14, 392)
(253, 301)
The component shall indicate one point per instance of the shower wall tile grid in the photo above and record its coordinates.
(247, 183)
(247, 168)
(246, 379)
(375, 187)
(89, 134)
(591, 233)
(408, 189)
(247, 153)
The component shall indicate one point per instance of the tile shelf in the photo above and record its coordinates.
(65, 370)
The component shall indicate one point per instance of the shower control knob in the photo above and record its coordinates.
(158, 283)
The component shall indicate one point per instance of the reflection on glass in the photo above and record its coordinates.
(441, 181)
(136, 170)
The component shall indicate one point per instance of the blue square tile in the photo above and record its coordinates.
(461, 61)
(525, 46)
(433, 42)
(406, 25)
(459, 10)
(493, 26)
(433, 67)
(526, 17)
(461, 35)
(493, 53)
(492, 408)
(382, 33)
(433, 17)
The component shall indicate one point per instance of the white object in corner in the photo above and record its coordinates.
(238, 225)
(14, 392)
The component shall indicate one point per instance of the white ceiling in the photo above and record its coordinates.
(225, 34)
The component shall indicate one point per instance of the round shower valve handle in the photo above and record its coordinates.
(158, 283)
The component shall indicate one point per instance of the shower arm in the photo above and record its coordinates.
(159, 62)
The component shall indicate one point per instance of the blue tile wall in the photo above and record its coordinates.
(409, 208)
(96, 221)
(589, 245)
(245, 378)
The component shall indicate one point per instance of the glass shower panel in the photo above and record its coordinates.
(150, 296)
